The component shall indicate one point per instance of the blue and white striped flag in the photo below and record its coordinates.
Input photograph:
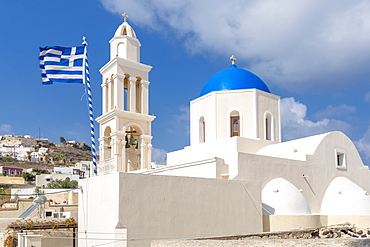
(62, 64)
(69, 65)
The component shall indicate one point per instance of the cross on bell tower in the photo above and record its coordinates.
(125, 16)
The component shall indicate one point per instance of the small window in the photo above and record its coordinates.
(235, 126)
(269, 127)
(48, 213)
(341, 161)
(202, 130)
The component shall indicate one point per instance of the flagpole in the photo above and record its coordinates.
(86, 81)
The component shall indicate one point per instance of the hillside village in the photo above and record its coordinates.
(30, 164)
(42, 151)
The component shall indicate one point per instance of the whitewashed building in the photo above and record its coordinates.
(236, 177)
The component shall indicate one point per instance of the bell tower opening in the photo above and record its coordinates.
(138, 95)
(133, 154)
(107, 143)
(126, 95)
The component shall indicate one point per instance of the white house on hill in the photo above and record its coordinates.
(236, 177)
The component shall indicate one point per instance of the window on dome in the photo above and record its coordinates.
(202, 130)
(235, 126)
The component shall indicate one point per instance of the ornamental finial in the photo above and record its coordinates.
(84, 42)
(125, 16)
(233, 59)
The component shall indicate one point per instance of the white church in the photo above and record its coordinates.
(236, 177)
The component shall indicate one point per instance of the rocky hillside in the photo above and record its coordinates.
(56, 154)
(72, 155)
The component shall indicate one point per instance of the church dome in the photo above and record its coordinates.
(125, 29)
(233, 78)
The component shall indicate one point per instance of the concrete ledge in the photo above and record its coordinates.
(264, 242)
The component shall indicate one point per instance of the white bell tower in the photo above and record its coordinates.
(125, 126)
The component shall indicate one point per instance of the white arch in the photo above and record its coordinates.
(280, 197)
(107, 146)
(133, 124)
(344, 197)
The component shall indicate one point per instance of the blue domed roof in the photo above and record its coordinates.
(233, 78)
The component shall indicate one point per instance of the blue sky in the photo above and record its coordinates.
(314, 54)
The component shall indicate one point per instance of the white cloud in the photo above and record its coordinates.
(299, 45)
(5, 129)
(181, 120)
(363, 145)
(335, 111)
(296, 125)
(367, 97)
(159, 155)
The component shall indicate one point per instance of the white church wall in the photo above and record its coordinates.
(200, 107)
(267, 102)
(210, 168)
(312, 176)
(166, 207)
(252, 146)
(223, 149)
(226, 149)
(242, 101)
(250, 104)
(273, 223)
(98, 210)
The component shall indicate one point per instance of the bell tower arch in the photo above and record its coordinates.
(125, 125)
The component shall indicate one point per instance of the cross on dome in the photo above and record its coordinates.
(233, 59)
(125, 16)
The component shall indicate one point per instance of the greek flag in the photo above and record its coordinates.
(62, 64)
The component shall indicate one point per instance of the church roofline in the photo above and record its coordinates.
(129, 63)
(296, 149)
(271, 95)
(124, 37)
(124, 114)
